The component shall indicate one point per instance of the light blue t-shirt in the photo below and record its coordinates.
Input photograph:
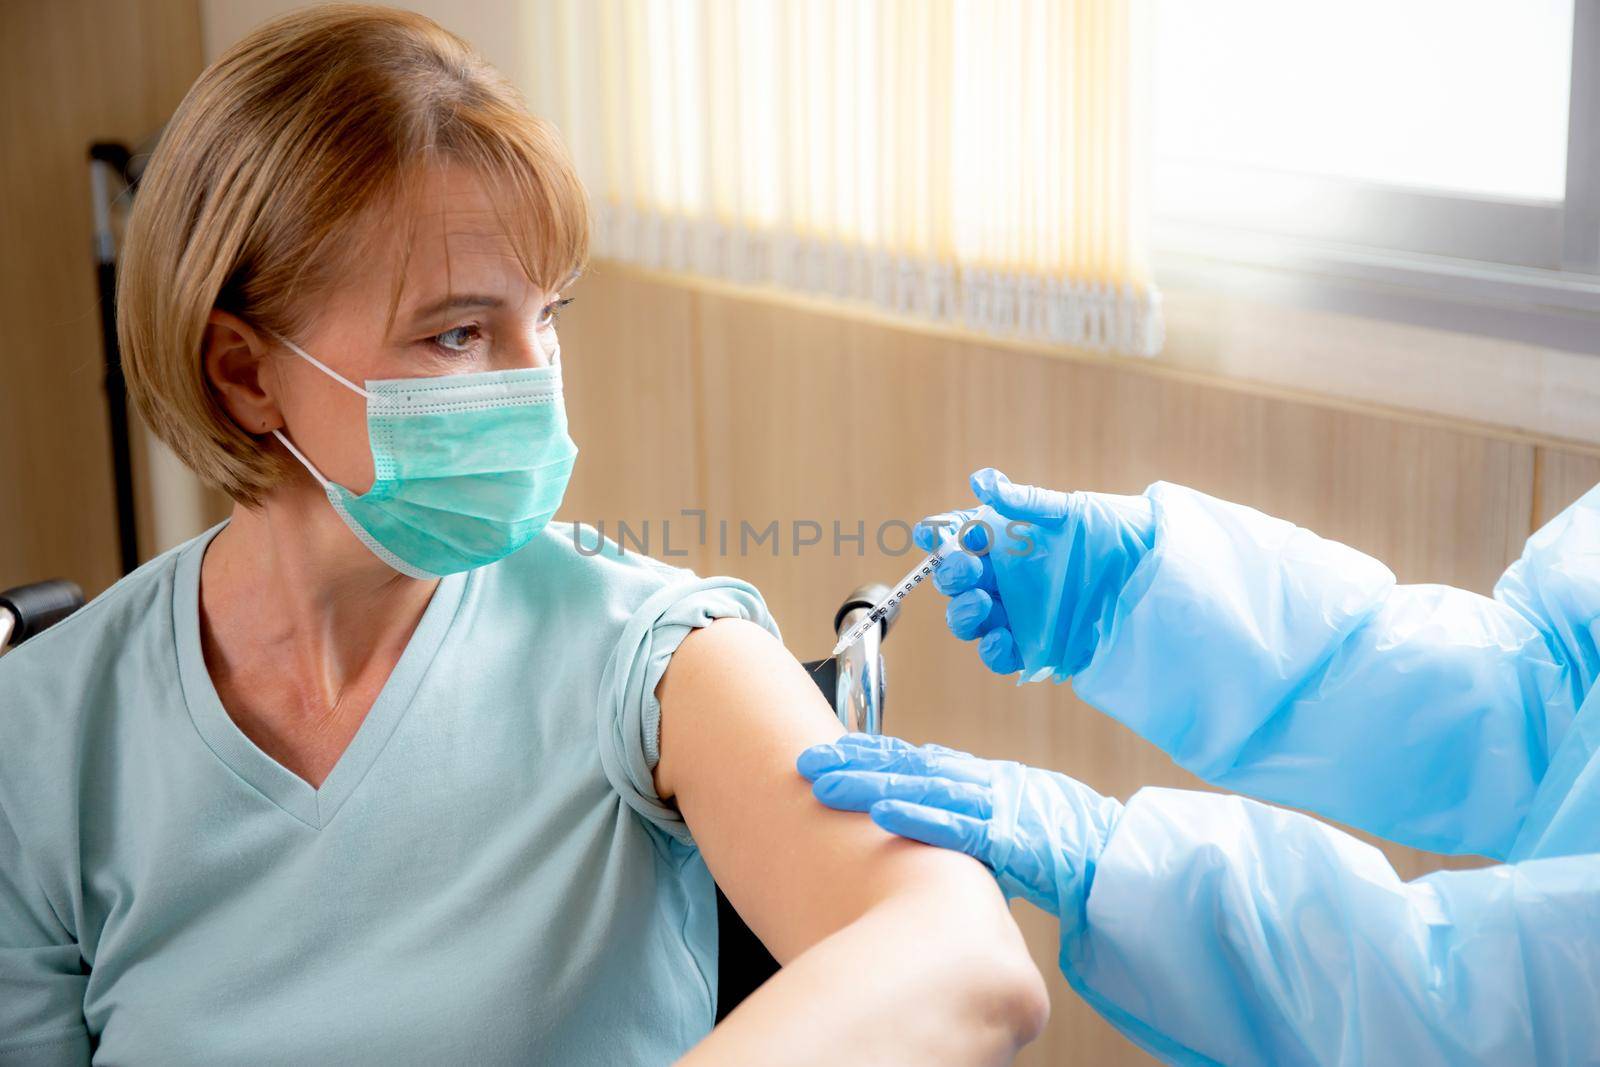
(485, 877)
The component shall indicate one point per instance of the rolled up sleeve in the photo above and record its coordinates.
(630, 714)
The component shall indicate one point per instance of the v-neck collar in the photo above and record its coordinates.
(315, 807)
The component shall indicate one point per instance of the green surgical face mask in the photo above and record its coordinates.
(469, 467)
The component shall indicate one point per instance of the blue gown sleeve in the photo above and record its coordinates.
(41, 978)
(1220, 930)
(1275, 663)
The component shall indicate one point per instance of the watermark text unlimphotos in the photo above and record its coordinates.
(670, 537)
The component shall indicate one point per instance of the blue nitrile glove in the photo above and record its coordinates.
(1039, 832)
(1040, 581)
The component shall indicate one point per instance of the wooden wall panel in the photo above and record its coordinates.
(1255, 326)
(1563, 476)
(76, 71)
(809, 416)
(627, 368)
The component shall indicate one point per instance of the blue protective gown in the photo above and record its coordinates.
(1271, 662)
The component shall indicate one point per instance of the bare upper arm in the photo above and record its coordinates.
(737, 709)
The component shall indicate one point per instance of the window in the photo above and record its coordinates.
(1447, 147)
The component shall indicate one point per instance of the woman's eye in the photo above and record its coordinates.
(458, 339)
(552, 312)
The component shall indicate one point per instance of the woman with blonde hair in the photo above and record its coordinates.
(382, 769)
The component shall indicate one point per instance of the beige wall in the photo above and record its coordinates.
(685, 395)
(498, 28)
(1514, 386)
(76, 71)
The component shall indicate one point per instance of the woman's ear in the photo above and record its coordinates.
(237, 368)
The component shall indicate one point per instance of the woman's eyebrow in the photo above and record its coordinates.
(456, 302)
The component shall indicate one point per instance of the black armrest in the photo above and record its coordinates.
(38, 606)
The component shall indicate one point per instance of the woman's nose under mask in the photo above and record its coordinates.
(469, 467)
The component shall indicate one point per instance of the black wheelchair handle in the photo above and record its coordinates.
(39, 606)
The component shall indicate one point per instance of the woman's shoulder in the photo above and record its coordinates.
(630, 612)
(576, 565)
(119, 623)
(63, 691)
(603, 595)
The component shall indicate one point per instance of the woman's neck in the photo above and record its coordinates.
(288, 580)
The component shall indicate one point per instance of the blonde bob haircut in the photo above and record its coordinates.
(316, 123)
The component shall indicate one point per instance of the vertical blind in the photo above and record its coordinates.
(977, 162)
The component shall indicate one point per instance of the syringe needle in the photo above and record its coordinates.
(901, 590)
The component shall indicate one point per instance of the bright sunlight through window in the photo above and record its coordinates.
(1464, 96)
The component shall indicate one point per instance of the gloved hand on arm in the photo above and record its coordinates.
(1214, 929)
(1039, 832)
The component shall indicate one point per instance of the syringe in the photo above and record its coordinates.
(901, 590)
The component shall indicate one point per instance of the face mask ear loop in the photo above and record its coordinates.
(330, 372)
(304, 462)
(323, 367)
